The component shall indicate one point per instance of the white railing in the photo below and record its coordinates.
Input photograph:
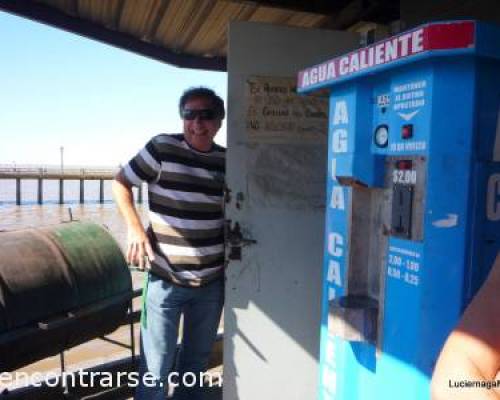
(14, 170)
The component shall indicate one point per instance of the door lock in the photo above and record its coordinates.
(235, 240)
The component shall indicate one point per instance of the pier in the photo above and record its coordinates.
(55, 173)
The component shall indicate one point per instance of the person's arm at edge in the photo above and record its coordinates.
(138, 244)
(472, 351)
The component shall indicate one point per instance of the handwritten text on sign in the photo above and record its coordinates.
(274, 109)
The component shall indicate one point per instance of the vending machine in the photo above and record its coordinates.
(413, 204)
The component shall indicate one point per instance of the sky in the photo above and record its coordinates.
(100, 103)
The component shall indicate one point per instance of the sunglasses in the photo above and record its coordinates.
(203, 115)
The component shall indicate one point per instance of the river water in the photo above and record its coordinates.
(31, 214)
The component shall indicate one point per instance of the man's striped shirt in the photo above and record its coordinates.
(185, 189)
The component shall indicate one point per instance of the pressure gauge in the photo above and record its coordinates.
(381, 136)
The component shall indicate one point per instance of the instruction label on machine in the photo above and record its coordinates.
(404, 262)
(409, 96)
(409, 100)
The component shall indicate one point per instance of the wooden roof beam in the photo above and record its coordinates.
(323, 7)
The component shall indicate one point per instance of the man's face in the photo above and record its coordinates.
(199, 128)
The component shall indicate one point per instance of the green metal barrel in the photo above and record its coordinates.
(59, 286)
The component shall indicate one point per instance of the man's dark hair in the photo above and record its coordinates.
(205, 93)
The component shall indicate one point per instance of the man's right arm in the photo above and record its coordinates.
(138, 245)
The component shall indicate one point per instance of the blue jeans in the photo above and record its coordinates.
(164, 303)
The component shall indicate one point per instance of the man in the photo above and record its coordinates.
(184, 243)
(472, 351)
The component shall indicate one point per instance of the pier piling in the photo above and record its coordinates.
(40, 191)
(82, 191)
(18, 191)
(61, 191)
(101, 191)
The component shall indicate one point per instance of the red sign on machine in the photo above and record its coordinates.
(437, 36)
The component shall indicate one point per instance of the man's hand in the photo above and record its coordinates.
(139, 248)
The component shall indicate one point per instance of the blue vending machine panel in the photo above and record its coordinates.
(413, 205)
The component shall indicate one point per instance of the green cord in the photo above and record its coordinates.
(144, 317)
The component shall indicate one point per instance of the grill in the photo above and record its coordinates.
(60, 286)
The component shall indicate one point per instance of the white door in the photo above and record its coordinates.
(276, 175)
